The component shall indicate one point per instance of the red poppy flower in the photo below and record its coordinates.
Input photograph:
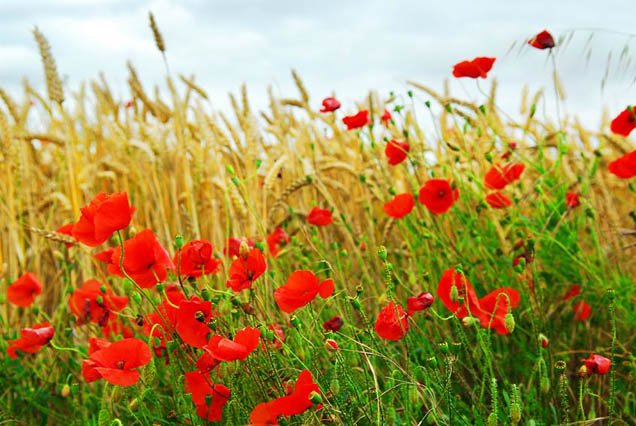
(624, 122)
(192, 321)
(582, 310)
(597, 364)
(165, 317)
(233, 246)
(243, 344)
(206, 363)
(95, 344)
(115, 328)
(330, 104)
(574, 291)
(391, 323)
(419, 303)
(297, 402)
(195, 259)
(543, 40)
(319, 217)
(624, 167)
(572, 200)
(208, 397)
(95, 302)
(22, 292)
(66, 230)
(105, 256)
(396, 151)
(461, 300)
(497, 200)
(400, 205)
(357, 121)
(334, 324)
(145, 260)
(498, 177)
(117, 362)
(478, 67)
(386, 117)
(244, 271)
(494, 307)
(102, 217)
(438, 196)
(300, 289)
(31, 340)
(276, 240)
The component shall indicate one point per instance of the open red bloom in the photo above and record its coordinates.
(145, 260)
(543, 40)
(624, 122)
(497, 200)
(276, 240)
(233, 246)
(624, 167)
(498, 177)
(319, 217)
(244, 271)
(386, 117)
(357, 121)
(117, 362)
(195, 259)
(22, 292)
(192, 321)
(392, 323)
(457, 294)
(574, 291)
(330, 104)
(95, 302)
(572, 200)
(494, 306)
(243, 344)
(31, 340)
(208, 397)
(438, 196)
(400, 205)
(297, 402)
(396, 151)
(334, 324)
(102, 217)
(419, 303)
(597, 364)
(300, 289)
(105, 256)
(582, 310)
(66, 230)
(166, 318)
(478, 67)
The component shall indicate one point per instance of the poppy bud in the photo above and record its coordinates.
(456, 347)
(362, 178)
(99, 300)
(267, 333)
(137, 298)
(315, 397)
(229, 169)
(583, 371)
(355, 302)
(544, 385)
(66, 390)
(469, 321)
(205, 294)
(344, 253)
(443, 347)
(431, 361)
(128, 285)
(160, 288)
(331, 345)
(179, 241)
(35, 310)
(295, 322)
(382, 254)
(454, 294)
(102, 289)
(509, 321)
(244, 249)
(543, 340)
(492, 419)
(488, 157)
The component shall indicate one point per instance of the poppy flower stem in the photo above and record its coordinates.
(59, 348)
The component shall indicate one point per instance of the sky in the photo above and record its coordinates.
(342, 47)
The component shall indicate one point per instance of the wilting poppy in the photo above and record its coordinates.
(597, 364)
(66, 230)
(95, 302)
(300, 289)
(334, 324)
(238, 348)
(103, 216)
(582, 310)
(400, 205)
(277, 239)
(624, 167)
(357, 121)
(392, 322)
(31, 340)
(497, 200)
(572, 200)
(297, 402)
(624, 122)
(478, 67)
(319, 217)
(192, 321)
(145, 260)
(245, 270)
(498, 177)
(419, 303)
(233, 246)
(543, 40)
(208, 397)
(117, 362)
(574, 291)
(438, 196)
(23, 291)
(195, 259)
(396, 151)
(330, 104)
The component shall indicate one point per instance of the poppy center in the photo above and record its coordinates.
(441, 193)
(120, 364)
(199, 316)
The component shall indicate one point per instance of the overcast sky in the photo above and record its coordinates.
(346, 47)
